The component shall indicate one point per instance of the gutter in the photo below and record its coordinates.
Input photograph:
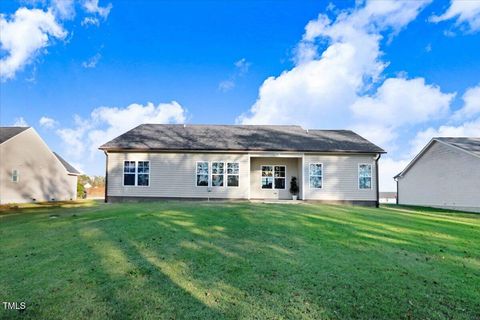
(106, 177)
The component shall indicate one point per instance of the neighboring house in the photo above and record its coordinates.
(445, 174)
(30, 171)
(388, 197)
(241, 162)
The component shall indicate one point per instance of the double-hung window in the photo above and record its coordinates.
(143, 173)
(129, 173)
(218, 174)
(233, 174)
(15, 175)
(202, 174)
(267, 177)
(365, 176)
(316, 175)
(279, 173)
(136, 173)
(273, 177)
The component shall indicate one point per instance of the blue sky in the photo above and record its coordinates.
(84, 71)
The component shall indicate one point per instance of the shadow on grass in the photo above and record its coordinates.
(200, 260)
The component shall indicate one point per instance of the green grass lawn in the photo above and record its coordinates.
(177, 260)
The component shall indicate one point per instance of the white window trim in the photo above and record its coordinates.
(232, 174)
(224, 174)
(309, 175)
(18, 176)
(135, 173)
(371, 176)
(208, 174)
(273, 171)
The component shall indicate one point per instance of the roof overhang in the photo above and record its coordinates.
(146, 150)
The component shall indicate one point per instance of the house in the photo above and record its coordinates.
(155, 161)
(445, 174)
(388, 197)
(30, 171)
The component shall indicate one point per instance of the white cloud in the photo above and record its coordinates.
(64, 9)
(226, 85)
(24, 35)
(471, 104)
(92, 62)
(73, 138)
(20, 122)
(320, 89)
(47, 122)
(465, 12)
(388, 168)
(90, 21)
(105, 123)
(92, 6)
(401, 101)
(241, 68)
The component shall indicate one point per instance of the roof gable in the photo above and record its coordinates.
(149, 137)
(464, 144)
(6, 133)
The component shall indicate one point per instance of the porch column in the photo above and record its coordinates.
(303, 177)
(249, 181)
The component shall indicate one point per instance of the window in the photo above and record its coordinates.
(218, 174)
(267, 177)
(136, 175)
(233, 174)
(15, 175)
(202, 174)
(143, 173)
(316, 175)
(273, 177)
(365, 176)
(279, 172)
(129, 173)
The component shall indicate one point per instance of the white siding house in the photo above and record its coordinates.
(445, 174)
(30, 171)
(241, 162)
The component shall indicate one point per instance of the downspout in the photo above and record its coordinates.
(396, 199)
(106, 176)
(377, 204)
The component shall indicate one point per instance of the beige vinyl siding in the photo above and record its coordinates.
(256, 191)
(340, 178)
(41, 175)
(174, 175)
(442, 177)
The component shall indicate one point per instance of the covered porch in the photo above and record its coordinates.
(271, 174)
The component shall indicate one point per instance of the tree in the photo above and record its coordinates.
(80, 190)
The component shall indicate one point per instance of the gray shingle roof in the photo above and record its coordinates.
(239, 138)
(9, 132)
(469, 144)
(68, 166)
